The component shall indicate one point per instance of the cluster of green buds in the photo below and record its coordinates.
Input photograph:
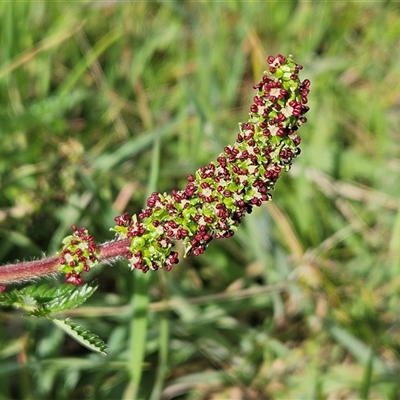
(217, 196)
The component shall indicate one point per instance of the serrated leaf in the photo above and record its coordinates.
(18, 300)
(66, 298)
(82, 335)
(40, 301)
(45, 293)
(72, 299)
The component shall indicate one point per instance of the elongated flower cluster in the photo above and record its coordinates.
(217, 196)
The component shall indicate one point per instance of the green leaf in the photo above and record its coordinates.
(45, 293)
(367, 380)
(82, 335)
(43, 300)
(67, 297)
(18, 300)
(358, 349)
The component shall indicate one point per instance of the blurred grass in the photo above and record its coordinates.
(103, 101)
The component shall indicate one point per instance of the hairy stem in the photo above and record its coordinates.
(30, 270)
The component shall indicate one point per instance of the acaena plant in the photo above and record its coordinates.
(211, 206)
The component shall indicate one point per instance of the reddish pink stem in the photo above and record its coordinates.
(29, 270)
(113, 249)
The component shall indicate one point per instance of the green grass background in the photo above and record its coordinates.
(103, 102)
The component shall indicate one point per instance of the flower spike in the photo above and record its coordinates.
(217, 196)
